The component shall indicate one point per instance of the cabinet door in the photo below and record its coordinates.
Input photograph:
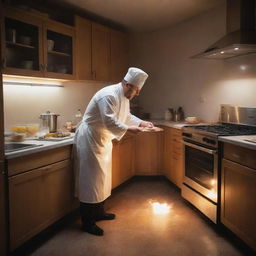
(37, 199)
(83, 48)
(167, 152)
(59, 57)
(22, 43)
(238, 205)
(149, 153)
(119, 55)
(126, 158)
(176, 175)
(122, 160)
(100, 52)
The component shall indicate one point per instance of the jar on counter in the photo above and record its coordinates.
(167, 115)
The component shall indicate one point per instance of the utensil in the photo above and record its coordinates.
(49, 120)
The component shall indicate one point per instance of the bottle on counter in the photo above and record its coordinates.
(172, 113)
(180, 114)
(167, 115)
(78, 117)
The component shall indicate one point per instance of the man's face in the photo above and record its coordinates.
(131, 91)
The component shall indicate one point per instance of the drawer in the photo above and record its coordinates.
(177, 148)
(25, 163)
(176, 132)
(241, 155)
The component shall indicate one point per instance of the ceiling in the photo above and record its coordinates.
(143, 15)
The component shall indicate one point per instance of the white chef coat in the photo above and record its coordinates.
(107, 117)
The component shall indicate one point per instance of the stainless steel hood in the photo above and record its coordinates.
(241, 35)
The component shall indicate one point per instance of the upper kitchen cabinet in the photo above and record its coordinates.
(100, 52)
(22, 43)
(83, 48)
(33, 45)
(59, 47)
(119, 55)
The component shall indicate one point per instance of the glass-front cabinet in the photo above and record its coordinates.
(58, 54)
(37, 46)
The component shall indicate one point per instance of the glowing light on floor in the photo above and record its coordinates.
(213, 182)
(160, 209)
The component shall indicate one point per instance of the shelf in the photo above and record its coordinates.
(59, 53)
(20, 45)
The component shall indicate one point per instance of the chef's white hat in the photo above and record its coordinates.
(136, 77)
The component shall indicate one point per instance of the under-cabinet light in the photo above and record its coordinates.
(32, 81)
(31, 84)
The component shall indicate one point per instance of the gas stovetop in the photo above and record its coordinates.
(222, 129)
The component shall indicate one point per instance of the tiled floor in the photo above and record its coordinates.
(138, 231)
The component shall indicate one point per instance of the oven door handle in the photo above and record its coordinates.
(209, 151)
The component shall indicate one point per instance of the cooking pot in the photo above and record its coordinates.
(49, 120)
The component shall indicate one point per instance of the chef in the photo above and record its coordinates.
(107, 117)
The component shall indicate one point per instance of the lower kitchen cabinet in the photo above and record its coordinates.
(173, 155)
(238, 189)
(122, 160)
(149, 153)
(40, 196)
(167, 161)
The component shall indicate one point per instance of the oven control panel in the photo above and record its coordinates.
(201, 138)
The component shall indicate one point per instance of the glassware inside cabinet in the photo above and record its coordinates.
(59, 53)
(21, 44)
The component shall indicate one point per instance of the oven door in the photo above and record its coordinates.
(200, 169)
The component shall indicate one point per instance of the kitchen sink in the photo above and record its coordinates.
(14, 146)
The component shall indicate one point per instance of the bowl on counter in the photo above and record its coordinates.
(192, 120)
(30, 130)
(18, 137)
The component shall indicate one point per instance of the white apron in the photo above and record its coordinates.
(107, 117)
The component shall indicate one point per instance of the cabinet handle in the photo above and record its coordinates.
(94, 74)
(41, 67)
(4, 63)
(45, 67)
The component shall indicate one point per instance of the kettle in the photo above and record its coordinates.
(49, 120)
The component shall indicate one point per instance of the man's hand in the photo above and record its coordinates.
(146, 124)
(134, 129)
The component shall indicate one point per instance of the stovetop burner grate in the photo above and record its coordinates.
(226, 129)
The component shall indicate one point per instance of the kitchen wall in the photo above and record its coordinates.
(23, 104)
(198, 85)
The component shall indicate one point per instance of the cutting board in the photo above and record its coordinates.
(154, 129)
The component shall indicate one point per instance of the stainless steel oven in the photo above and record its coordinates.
(201, 169)
(200, 183)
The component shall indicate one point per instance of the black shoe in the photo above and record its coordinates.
(107, 216)
(93, 229)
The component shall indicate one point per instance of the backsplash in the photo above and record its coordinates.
(24, 104)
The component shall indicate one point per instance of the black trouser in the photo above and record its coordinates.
(91, 212)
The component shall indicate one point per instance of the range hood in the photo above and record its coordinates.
(241, 34)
